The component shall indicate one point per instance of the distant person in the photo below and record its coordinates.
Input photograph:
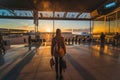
(37, 38)
(58, 43)
(44, 42)
(116, 38)
(72, 40)
(76, 41)
(2, 48)
(83, 39)
(102, 39)
(79, 40)
(24, 40)
(69, 41)
(29, 42)
(40, 41)
(65, 40)
(89, 40)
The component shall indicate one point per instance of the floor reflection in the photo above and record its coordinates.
(101, 50)
(107, 50)
(2, 61)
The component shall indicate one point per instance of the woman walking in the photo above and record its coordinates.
(58, 50)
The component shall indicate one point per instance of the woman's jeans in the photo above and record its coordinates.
(58, 65)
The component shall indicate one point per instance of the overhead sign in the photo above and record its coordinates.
(110, 5)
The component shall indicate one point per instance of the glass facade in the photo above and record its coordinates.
(109, 24)
(118, 21)
(99, 26)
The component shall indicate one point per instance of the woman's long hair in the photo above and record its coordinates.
(58, 32)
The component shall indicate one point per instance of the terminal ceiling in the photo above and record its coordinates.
(66, 6)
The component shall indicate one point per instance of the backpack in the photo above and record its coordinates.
(56, 47)
(59, 49)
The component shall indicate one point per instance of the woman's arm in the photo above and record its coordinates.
(64, 46)
(52, 47)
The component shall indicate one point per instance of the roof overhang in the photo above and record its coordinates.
(81, 8)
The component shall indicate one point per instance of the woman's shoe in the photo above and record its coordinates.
(61, 77)
(56, 77)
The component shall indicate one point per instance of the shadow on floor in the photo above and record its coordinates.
(14, 73)
(2, 61)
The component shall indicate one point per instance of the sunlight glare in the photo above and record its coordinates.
(48, 30)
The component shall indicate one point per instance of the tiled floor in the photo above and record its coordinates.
(83, 63)
(12, 57)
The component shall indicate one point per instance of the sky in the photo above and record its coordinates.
(44, 25)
